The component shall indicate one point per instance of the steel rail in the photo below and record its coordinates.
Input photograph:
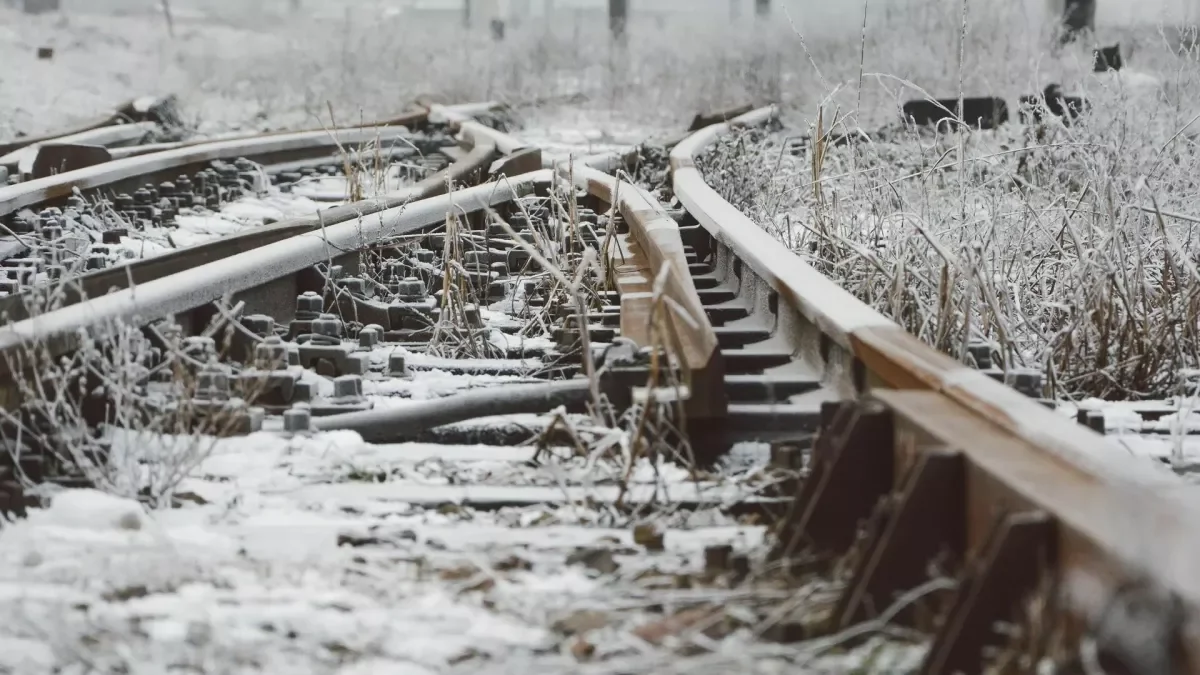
(892, 357)
(654, 250)
(413, 118)
(137, 110)
(101, 132)
(654, 247)
(464, 171)
(22, 161)
(1113, 519)
(165, 160)
(193, 280)
(266, 149)
(200, 285)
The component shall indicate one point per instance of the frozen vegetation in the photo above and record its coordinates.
(324, 554)
(1070, 248)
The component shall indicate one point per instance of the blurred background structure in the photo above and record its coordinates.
(480, 13)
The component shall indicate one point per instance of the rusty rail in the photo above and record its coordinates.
(138, 110)
(167, 164)
(467, 170)
(937, 459)
(655, 287)
(921, 462)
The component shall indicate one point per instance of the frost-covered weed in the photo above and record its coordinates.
(1040, 240)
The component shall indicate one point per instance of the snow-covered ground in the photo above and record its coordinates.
(285, 556)
(320, 553)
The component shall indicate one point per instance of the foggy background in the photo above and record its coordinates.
(813, 14)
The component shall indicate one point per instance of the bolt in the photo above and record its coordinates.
(271, 353)
(353, 285)
(518, 258)
(329, 325)
(369, 336)
(303, 391)
(357, 364)
(297, 420)
(648, 536)
(212, 384)
(347, 386)
(471, 312)
(397, 365)
(981, 353)
(1029, 383)
(477, 259)
(786, 456)
(716, 558)
(410, 289)
(261, 325)
(309, 305)
(200, 348)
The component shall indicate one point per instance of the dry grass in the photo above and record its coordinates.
(1042, 242)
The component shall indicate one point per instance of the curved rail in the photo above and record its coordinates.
(264, 149)
(654, 247)
(1112, 518)
(146, 108)
(188, 289)
(464, 171)
(23, 162)
(825, 313)
(651, 262)
(263, 264)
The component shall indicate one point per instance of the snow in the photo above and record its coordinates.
(564, 133)
(253, 574)
(320, 553)
(196, 227)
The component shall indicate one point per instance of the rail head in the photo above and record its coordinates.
(892, 357)
(894, 360)
(664, 292)
(142, 109)
(466, 171)
(191, 288)
(23, 195)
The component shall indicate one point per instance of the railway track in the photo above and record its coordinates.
(598, 428)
